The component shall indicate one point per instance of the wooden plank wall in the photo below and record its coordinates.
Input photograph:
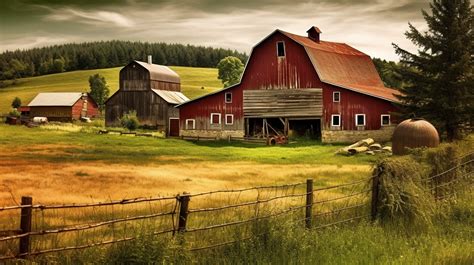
(283, 103)
(134, 78)
(151, 109)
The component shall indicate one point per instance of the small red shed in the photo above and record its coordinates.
(298, 85)
(64, 107)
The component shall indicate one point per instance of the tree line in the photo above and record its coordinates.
(105, 54)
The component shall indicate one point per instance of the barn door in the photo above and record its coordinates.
(173, 127)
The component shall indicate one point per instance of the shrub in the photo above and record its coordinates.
(403, 198)
(130, 120)
(14, 113)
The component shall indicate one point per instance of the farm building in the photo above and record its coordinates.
(152, 91)
(63, 106)
(297, 85)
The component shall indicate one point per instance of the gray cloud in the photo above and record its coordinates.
(368, 25)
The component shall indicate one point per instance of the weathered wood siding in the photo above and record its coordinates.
(161, 85)
(134, 77)
(283, 103)
(91, 109)
(151, 109)
(52, 113)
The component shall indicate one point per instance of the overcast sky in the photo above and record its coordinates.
(368, 25)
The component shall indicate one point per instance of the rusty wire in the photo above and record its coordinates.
(291, 209)
(449, 170)
(342, 197)
(246, 189)
(81, 205)
(84, 226)
(246, 203)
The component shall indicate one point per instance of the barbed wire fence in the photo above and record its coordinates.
(203, 220)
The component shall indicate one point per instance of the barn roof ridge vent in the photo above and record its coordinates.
(314, 33)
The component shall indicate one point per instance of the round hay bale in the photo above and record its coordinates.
(414, 133)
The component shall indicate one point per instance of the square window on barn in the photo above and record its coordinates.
(229, 119)
(360, 119)
(336, 120)
(281, 49)
(228, 97)
(215, 118)
(336, 96)
(385, 120)
(190, 124)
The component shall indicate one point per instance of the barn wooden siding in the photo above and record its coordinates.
(134, 77)
(151, 109)
(283, 103)
(265, 70)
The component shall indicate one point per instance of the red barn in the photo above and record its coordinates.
(298, 85)
(63, 106)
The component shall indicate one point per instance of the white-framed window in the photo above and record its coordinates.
(280, 49)
(360, 119)
(228, 97)
(336, 96)
(215, 118)
(385, 119)
(190, 124)
(229, 119)
(336, 120)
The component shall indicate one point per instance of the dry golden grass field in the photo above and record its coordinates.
(64, 166)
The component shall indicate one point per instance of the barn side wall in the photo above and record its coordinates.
(55, 113)
(151, 109)
(134, 77)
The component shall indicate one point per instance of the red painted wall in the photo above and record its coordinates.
(92, 108)
(266, 71)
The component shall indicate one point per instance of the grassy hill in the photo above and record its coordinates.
(192, 81)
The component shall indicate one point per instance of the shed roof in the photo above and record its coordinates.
(341, 65)
(160, 72)
(172, 97)
(55, 99)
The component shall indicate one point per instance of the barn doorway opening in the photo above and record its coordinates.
(310, 128)
(261, 127)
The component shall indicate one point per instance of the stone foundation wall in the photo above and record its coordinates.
(335, 136)
(221, 134)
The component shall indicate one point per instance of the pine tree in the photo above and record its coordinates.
(440, 77)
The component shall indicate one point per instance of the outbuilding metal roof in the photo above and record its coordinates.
(341, 65)
(160, 72)
(55, 99)
(172, 97)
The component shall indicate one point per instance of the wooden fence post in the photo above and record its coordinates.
(375, 193)
(309, 202)
(183, 212)
(25, 226)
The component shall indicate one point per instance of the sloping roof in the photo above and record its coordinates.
(337, 64)
(160, 72)
(55, 99)
(171, 97)
(341, 65)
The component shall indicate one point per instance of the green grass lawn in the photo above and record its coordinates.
(192, 82)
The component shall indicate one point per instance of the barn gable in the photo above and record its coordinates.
(351, 99)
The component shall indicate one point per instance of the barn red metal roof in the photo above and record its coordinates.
(341, 65)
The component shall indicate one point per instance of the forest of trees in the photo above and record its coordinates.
(104, 54)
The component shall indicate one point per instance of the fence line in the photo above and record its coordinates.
(181, 209)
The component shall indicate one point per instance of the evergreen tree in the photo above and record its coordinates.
(230, 68)
(99, 89)
(440, 77)
(16, 103)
